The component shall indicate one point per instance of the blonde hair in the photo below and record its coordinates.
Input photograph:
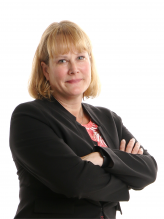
(60, 38)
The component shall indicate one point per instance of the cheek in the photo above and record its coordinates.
(59, 73)
(87, 69)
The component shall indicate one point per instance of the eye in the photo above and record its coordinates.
(61, 61)
(82, 57)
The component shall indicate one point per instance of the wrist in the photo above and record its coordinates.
(105, 159)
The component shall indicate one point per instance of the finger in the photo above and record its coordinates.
(140, 151)
(136, 148)
(122, 145)
(130, 145)
(83, 158)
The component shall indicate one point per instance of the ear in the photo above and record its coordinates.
(45, 70)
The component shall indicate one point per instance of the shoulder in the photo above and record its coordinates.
(31, 107)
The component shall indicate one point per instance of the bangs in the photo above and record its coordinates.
(65, 40)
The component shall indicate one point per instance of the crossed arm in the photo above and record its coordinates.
(97, 159)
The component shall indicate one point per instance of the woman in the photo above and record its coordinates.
(74, 160)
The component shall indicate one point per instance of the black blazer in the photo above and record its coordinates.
(47, 142)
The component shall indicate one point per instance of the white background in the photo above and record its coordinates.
(128, 44)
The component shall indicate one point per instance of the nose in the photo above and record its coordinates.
(73, 68)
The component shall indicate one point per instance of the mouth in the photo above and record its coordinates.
(74, 81)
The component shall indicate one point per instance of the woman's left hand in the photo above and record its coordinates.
(94, 157)
(132, 147)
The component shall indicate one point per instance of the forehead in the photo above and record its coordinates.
(60, 46)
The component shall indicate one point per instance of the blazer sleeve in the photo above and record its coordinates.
(38, 149)
(136, 170)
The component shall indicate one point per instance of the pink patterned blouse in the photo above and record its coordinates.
(93, 132)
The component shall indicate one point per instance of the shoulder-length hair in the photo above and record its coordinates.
(60, 38)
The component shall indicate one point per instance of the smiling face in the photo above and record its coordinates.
(63, 71)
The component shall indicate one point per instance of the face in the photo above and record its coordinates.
(69, 74)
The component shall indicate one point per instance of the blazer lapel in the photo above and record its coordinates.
(106, 127)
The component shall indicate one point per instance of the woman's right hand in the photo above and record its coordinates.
(130, 148)
(94, 157)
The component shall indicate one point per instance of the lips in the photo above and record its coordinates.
(74, 81)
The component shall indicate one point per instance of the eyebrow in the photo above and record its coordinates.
(64, 56)
(60, 56)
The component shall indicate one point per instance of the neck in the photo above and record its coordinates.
(74, 107)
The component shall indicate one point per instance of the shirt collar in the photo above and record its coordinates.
(87, 107)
